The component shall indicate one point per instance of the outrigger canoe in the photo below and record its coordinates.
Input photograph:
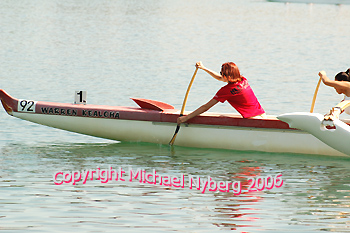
(154, 122)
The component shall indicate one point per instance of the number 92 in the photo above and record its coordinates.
(26, 106)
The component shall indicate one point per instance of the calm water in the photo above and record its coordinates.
(120, 49)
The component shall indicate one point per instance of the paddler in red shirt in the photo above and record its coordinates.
(237, 92)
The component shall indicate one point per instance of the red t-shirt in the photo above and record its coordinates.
(241, 96)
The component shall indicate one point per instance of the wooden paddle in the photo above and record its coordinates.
(314, 99)
(183, 108)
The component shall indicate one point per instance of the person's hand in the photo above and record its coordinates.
(199, 65)
(322, 73)
(333, 114)
(323, 76)
(181, 119)
(329, 117)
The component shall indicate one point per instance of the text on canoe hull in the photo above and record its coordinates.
(84, 113)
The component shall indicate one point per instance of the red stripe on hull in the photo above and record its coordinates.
(141, 114)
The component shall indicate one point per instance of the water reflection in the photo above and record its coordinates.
(314, 195)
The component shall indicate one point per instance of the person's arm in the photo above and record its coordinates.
(337, 110)
(201, 109)
(210, 72)
(331, 83)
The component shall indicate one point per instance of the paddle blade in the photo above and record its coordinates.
(175, 134)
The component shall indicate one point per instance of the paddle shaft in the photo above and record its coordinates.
(314, 99)
(183, 107)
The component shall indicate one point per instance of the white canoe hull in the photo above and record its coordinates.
(202, 136)
(338, 137)
(155, 122)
